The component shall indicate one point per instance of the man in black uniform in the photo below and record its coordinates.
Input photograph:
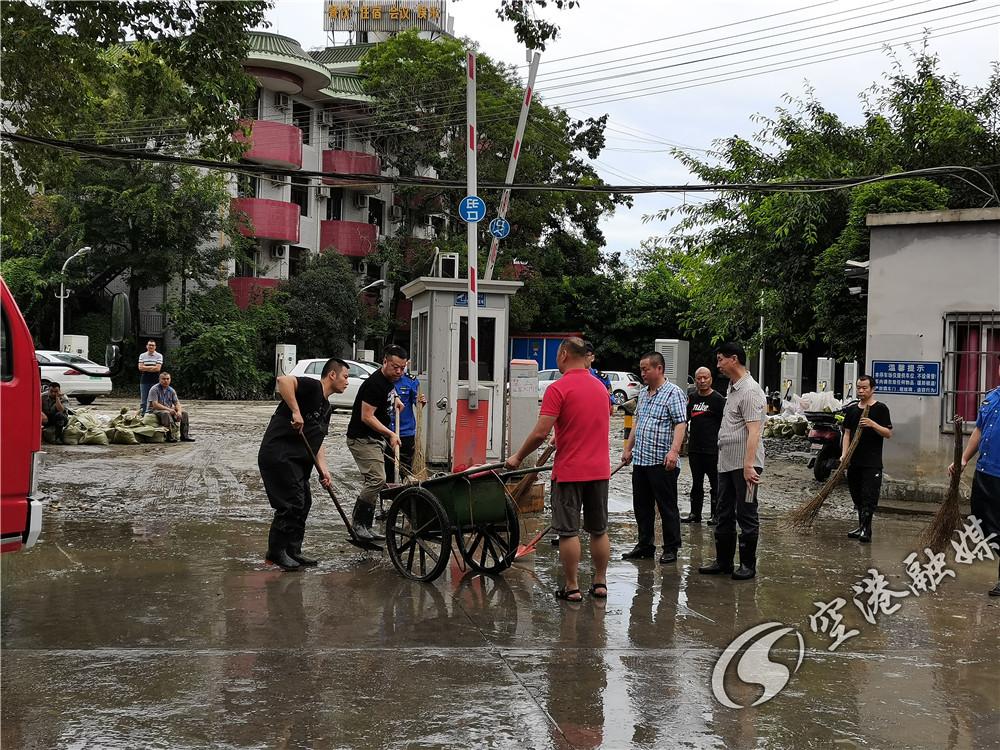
(368, 432)
(864, 474)
(285, 463)
(704, 412)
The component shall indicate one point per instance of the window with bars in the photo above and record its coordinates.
(971, 359)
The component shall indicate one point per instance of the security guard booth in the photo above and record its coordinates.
(440, 359)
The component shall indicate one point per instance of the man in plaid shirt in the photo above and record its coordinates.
(654, 447)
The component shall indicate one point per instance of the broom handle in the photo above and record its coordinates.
(395, 450)
(528, 479)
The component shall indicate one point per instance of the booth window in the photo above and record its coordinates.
(486, 346)
(971, 359)
(419, 326)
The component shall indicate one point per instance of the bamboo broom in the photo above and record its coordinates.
(946, 520)
(419, 456)
(804, 515)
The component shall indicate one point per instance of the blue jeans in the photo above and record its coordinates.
(144, 389)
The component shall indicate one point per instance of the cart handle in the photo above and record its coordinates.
(483, 469)
(523, 472)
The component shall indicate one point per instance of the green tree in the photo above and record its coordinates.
(781, 254)
(322, 307)
(119, 73)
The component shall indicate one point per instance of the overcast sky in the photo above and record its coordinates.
(639, 128)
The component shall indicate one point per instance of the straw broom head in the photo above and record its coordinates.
(804, 515)
(946, 520)
(419, 456)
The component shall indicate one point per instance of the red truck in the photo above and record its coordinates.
(20, 429)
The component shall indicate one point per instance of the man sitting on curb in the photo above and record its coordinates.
(164, 404)
(55, 410)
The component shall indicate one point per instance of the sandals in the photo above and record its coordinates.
(568, 595)
(599, 590)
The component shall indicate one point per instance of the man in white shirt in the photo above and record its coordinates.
(150, 364)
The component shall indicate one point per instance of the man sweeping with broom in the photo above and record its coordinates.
(864, 473)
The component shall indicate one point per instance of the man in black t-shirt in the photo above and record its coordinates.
(285, 463)
(864, 473)
(704, 413)
(368, 432)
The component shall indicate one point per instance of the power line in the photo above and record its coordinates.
(803, 185)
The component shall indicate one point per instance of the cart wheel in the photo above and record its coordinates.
(418, 535)
(490, 547)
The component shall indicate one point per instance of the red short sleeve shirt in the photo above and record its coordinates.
(579, 402)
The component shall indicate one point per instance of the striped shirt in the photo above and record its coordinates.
(656, 415)
(745, 402)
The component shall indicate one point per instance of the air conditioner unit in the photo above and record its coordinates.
(328, 118)
(396, 212)
(279, 251)
(447, 265)
(791, 374)
(323, 193)
(363, 268)
(676, 354)
(282, 101)
(360, 200)
(826, 373)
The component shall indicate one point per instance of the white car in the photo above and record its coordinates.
(359, 371)
(78, 377)
(624, 386)
(545, 379)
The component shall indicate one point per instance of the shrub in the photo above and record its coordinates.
(219, 363)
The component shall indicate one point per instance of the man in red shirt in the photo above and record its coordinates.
(577, 406)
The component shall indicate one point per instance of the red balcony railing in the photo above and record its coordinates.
(352, 238)
(250, 290)
(267, 219)
(273, 143)
(351, 162)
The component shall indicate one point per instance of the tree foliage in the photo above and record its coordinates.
(532, 31)
(781, 255)
(322, 307)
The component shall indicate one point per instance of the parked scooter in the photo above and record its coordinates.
(825, 437)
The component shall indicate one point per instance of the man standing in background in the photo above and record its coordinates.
(704, 412)
(150, 364)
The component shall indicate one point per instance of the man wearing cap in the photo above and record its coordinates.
(985, 440)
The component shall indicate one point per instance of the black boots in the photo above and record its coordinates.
(364, 515)
(306, 562)
(748, 558)
(857, 532)
(639, 552)
(277, 551)
(865, 536)
(725, 548)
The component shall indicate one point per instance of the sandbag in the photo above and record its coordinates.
(94, 437)
(73, 433)
(121, 436)
(159, 435)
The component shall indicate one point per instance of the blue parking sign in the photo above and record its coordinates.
(499, 228)
(472, 209)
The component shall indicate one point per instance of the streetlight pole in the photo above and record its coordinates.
(354, 334)
(63, 294)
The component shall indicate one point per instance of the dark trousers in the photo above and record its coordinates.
(865, 484)
(733, 507)
(654, 487)
(144, 389)
(703, 465)
(287, 487)
(57, 420)
(985, 503)
(167, 420)
(407, 447)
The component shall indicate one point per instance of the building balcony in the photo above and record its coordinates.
(352, 162)
(354, 239)
(250, 290)
(267, 219)
(272, 143)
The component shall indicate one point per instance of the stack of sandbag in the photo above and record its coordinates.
(786, 426)
(85, 428)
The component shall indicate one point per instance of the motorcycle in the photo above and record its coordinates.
(825, 437)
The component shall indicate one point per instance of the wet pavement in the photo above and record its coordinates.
(145, 618)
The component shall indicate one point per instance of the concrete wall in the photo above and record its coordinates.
(923, 266)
